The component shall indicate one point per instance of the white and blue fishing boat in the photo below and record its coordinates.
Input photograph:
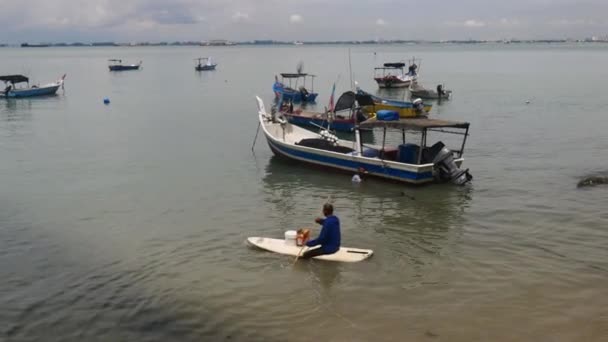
(204, 64)
(116, 65)
(410, 162)
(12, 90)
(294, 91)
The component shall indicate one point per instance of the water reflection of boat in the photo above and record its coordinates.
(422, 210)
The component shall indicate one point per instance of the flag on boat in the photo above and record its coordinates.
(331, 98)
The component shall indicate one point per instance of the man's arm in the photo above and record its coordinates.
(320, 239)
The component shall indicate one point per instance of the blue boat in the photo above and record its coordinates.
(116, 65)
(206, 66)
(11, 89)
(343, 118)
(292, 92)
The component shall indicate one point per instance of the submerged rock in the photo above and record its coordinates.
(592, 181)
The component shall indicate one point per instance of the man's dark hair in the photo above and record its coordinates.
(328, 208)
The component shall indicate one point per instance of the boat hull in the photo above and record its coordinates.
(338, 125)
(350, 164)
(383, 83)
(280, 139)
(430, 95)
(395, 81)
(205, 67)
(404, 110)
(33, 92)
(123, 67)
(297, 97)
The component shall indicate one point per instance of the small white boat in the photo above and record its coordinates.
(13, 91)
(408, 162)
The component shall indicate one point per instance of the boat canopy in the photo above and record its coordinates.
(288, 75)
(347, 101)
(394, 65)
(115, 60)
(414, 124)
(14, 79)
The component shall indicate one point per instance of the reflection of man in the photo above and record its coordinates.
(329, 238)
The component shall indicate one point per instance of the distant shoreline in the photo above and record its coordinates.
(298, 43)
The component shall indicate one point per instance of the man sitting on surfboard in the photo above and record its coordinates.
(329, 238)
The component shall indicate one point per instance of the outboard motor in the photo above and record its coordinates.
(448, 170)
(419, 106)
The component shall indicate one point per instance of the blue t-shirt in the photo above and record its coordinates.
(329, 238)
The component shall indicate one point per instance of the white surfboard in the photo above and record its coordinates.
(345, 254)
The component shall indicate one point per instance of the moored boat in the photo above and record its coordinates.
(204, 66)
(294, 92)
(393, 75)
(408, 162)
(116, 65)
(404, 108)
(417, 90)
(12, 91)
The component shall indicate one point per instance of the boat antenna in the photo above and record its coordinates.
(350, 71)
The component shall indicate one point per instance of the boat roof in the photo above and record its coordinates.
(348, 98)
(289, 75)
(14, 78)
(414, 123)
(392, 66)
(115, 60)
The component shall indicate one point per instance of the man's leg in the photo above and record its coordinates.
(311, 253)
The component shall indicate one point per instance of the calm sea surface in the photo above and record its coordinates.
(127, 222)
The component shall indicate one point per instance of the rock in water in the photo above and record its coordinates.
(592, 181)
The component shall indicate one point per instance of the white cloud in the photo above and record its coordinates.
(240, 16)
(381, 22)
(474, 23)
(295, 18)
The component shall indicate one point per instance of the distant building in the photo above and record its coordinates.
(217, 42)
(104, 44)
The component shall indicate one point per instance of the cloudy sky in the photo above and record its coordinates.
(161, 20)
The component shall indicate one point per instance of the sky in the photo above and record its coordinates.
(37, 21)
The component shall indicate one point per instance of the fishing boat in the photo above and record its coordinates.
(417, 90)
(11, 89)
(393, 75)
(116, 65)
(294, 92)
(410, 162)
(405, 109)
(341, 118)
(204, 64)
